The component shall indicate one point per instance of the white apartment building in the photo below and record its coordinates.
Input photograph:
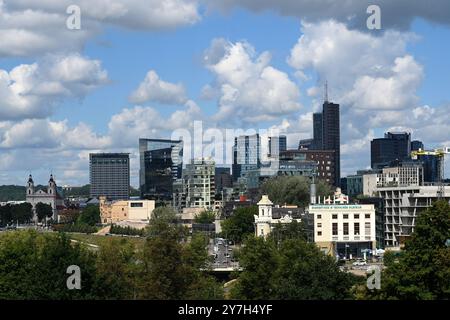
(342, 229)
(198, 184)
(402, 205)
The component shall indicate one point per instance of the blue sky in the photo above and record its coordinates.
(398, 93)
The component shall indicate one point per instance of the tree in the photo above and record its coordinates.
(171, 268)
(33, 266)
(90, 216)
(22, 213)
(289, 268)
(5, 215)
(423, 269)
(293, 190)
(240, 224)
(285, 231)
(43, 211)
(205, 217)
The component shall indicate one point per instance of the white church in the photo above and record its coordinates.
(50, 196)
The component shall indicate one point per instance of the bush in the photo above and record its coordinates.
(129, 231)
(78, 227)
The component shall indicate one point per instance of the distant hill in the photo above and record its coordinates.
(17, 193)
(12, 193)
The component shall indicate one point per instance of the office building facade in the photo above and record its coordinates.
(199, 184)
(246, 155)
(109, 175)
(277, 145)
(395, 146)
(161, 164)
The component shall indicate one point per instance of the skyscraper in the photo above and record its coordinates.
(246, 154)
(317, 131)
(331, 135)
(109, 175)
(395, 146)
(161, 163)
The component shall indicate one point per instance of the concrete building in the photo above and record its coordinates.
(109, 175)
(343, 229)
(49, 196)
(402, 206)
(198, 185)
(268, 216)
(125, 210)
(161, 164)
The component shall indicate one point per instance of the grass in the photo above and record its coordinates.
(138, 243)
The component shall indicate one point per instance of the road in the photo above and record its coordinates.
(224, 255)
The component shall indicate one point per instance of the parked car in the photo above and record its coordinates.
(359, 263)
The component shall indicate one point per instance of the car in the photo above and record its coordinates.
(359, 263)
(227, 255)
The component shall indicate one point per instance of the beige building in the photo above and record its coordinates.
(344, 229)
(133, 210)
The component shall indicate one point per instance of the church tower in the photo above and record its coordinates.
(30, 186)
(264, 218)
(51, 186)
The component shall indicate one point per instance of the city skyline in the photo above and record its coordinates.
(131, 76)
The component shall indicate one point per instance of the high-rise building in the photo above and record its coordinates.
(317, 131)
(327, 134)
(246, 155)
(199, 186)
(109, 175)
(277, 145)
(431, 167)
(416, 145)
(402, 207)
(332, 136)
(223, 179)
(324, 160)
(395, 146)
(161, 164)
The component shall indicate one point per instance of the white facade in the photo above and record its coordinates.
(50, 197)
(140, 209)
(264, 221)
(338, 222)
(402, 206)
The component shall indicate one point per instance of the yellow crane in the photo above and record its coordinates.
(440, 153)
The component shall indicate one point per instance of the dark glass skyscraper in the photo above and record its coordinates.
(318, 132)
(161, 164)
(109, 175)
(393, 147)
(327, 135)
(332, 135)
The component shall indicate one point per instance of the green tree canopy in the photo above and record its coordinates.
(423, 269)
(43, 211)
(289, 268)
(293, 190)
(205, 217)
(240, 224)
(90, 216)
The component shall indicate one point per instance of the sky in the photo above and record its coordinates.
(151, 69)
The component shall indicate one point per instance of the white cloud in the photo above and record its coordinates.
(153, 89)
(33, 90)
(29, 27)
(251, 89)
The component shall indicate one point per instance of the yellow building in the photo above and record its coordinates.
(133, 210)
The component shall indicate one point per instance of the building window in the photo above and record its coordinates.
(319, 225)
(346, 229)
(137, 205)
(335, 229)
(367, 229)
(319, 216)
(334, 216)
(319, 233)
(345, 216)
(367, 216)
(356, 228)
(356, 216)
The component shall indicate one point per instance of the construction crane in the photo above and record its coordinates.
(440, 153)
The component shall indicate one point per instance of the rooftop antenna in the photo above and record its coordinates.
(326, 91)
